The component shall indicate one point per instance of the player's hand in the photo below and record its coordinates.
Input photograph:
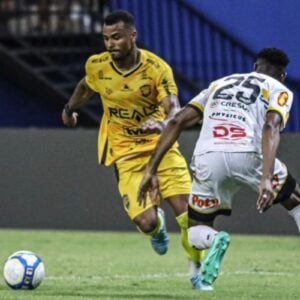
(266, 195)
(70, 121)
(149, 184)
(152, 126)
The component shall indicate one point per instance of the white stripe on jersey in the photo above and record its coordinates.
(235, 109)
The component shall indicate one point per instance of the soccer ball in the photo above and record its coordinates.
(23, 270)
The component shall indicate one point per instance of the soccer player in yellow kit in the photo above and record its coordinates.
(138, 95)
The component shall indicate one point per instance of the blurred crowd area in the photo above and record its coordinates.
(51, 16)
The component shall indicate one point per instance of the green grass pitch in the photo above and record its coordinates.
(105, 265)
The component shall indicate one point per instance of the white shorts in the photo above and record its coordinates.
(217, 176)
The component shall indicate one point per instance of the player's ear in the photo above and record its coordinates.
(134, 35)
(283, 76)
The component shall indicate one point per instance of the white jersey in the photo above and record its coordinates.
(234, 109)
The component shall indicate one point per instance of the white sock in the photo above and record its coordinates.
(295, 213)
(201, 236)
(194, 268)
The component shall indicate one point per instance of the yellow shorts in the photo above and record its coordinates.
(174, 179)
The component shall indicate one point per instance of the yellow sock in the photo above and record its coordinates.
(192, 253)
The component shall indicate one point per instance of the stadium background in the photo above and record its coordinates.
(49, 174)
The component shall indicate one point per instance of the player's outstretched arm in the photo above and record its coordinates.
(270, 142)
(80, 96)
(185, 118)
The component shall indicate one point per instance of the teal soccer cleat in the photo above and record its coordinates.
(199, 285)
(211, 265)
(160, 241)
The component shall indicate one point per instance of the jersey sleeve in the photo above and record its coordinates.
(90, 73)
(165, 83)
(281, 101)
(199, 101)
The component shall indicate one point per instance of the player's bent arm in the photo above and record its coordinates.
(270, 142)
(82, 93)
(185, 118)
(171, 107)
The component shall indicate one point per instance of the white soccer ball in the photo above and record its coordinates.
(23, 270)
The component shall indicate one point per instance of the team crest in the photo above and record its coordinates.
(146, 90)
(283, 98)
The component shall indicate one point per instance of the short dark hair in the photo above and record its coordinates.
(119, 16)
(274, 56)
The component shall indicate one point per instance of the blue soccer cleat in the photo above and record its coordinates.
(199, 285)
(211, 265)
(160, 241)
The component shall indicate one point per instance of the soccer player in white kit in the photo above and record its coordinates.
(242, 115)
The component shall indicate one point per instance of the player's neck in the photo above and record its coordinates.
(271, 71)
(130, 61)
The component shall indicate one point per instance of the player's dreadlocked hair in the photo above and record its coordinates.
(119, 16)
(274, 56)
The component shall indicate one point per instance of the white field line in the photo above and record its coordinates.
(163, 275)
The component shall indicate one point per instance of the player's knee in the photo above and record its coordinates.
(289, 195)
(293, 200)
(201, 236)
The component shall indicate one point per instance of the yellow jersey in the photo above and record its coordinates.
(128, 99)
